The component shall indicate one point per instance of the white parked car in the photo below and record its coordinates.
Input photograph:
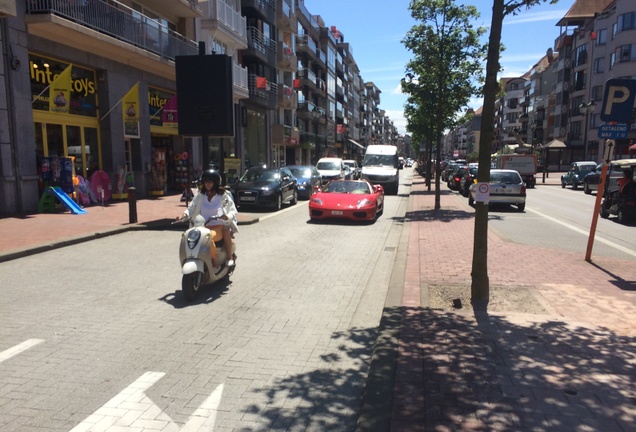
(506, 187)
(331, 168)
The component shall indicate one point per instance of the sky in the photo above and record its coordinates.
(375, 28)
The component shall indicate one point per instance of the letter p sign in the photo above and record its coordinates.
(618, 100)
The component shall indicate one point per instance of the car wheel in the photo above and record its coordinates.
(294, 199)
(575, 185)
(521, 207)
(586, 189)
(563, 183)
(621, 217)
(603, 212)
(279, 202)
(471, 201)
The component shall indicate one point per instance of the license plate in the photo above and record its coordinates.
(248, 198)
(336, 212)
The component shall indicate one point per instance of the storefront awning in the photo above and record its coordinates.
(357, 143)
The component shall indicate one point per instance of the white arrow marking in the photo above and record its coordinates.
(132, 409)
(7, 354)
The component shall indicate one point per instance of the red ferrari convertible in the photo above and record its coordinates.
(348, 199)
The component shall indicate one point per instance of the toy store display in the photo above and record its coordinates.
(158, 172)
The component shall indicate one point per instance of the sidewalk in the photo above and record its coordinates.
(554, 352)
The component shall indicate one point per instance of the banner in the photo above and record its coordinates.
(169, 115)
(60, 92)
(130, 112)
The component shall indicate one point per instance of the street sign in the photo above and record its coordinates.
(615, 131)
(608, 152)
(618, 100)
(483, 192)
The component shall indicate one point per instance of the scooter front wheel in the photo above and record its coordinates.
(190, 284)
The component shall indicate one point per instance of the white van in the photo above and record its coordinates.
(381, 166)
(331, 168)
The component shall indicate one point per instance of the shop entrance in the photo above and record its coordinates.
(75, 140)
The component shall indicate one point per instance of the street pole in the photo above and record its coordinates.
(586, 109)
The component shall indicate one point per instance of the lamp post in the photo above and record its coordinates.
(586, 109)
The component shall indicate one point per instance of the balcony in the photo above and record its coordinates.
(286, 19)
(227, 24)
(260, 47)
(266, 97)
(308, 79)
(306, 45)
(309, 111)
(265, 8)
(304, 15)
(286, 58)
(321, 59)
(286, 97)
(240, 80)
(111, 29)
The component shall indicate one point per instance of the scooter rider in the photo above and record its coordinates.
(215, 202)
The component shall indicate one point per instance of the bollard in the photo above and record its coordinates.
(132, 205)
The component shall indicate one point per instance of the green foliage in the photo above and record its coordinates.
(472, 157)
(446, 68)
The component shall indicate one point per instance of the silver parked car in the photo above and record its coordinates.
(506, 187)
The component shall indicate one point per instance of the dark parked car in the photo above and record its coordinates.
(578, 170)
(307, 177)
(618, 201)
(470, 175)
(455, 176)
(592, 179)
(266, 187)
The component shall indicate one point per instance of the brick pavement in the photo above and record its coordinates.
(570, 367)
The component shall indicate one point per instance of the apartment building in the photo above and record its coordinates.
(296, 88)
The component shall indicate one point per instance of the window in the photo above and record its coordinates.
(612, 60)
(575, 130)
(579, 80)
(626, 21)
(597, 93)
(581, 55)
(626, 53)
(599, 65)
(601, 37)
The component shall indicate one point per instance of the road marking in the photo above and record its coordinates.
(29, 343)
(586, 233)
(131, 410)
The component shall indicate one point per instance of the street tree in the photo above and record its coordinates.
(445, 70)
(480, 287)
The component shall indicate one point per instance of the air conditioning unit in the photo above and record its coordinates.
(7, 8)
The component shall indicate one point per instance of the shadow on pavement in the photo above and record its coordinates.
(207, 294)
(616, 280)
(457, 372)
(444, 215)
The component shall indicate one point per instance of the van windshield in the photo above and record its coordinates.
(328, 166)
(380, 160)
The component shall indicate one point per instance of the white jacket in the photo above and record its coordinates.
(229, 209)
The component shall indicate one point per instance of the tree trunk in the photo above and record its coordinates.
(480, 287)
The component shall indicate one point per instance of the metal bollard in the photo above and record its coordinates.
(132, 205)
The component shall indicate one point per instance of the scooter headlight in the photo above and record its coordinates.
(193, 238)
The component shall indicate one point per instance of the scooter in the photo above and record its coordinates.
(195, 256)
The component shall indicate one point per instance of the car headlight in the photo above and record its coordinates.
(316, 201)
(193, 238)
(267, 191)
(363, 203)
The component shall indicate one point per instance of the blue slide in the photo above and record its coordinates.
(66, 200)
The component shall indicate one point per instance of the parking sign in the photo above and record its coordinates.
(618, 100)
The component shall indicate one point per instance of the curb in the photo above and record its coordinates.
(150, 225)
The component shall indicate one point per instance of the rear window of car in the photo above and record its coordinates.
(302, 173)
(505, 178)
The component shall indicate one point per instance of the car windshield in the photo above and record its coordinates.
(505, 178)
(350, 164)
(259, 174)
(347, 187)
(379, 160)
(328, 166)
(301, 172)
(587, 168)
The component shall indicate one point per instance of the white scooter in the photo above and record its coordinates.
(195, 256)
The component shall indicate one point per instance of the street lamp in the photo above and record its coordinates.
(586, 109)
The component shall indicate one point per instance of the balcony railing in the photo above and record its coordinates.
(119, 21)
(221, 11)
(258, 41)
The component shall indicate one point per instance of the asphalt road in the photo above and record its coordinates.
(101, 336)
